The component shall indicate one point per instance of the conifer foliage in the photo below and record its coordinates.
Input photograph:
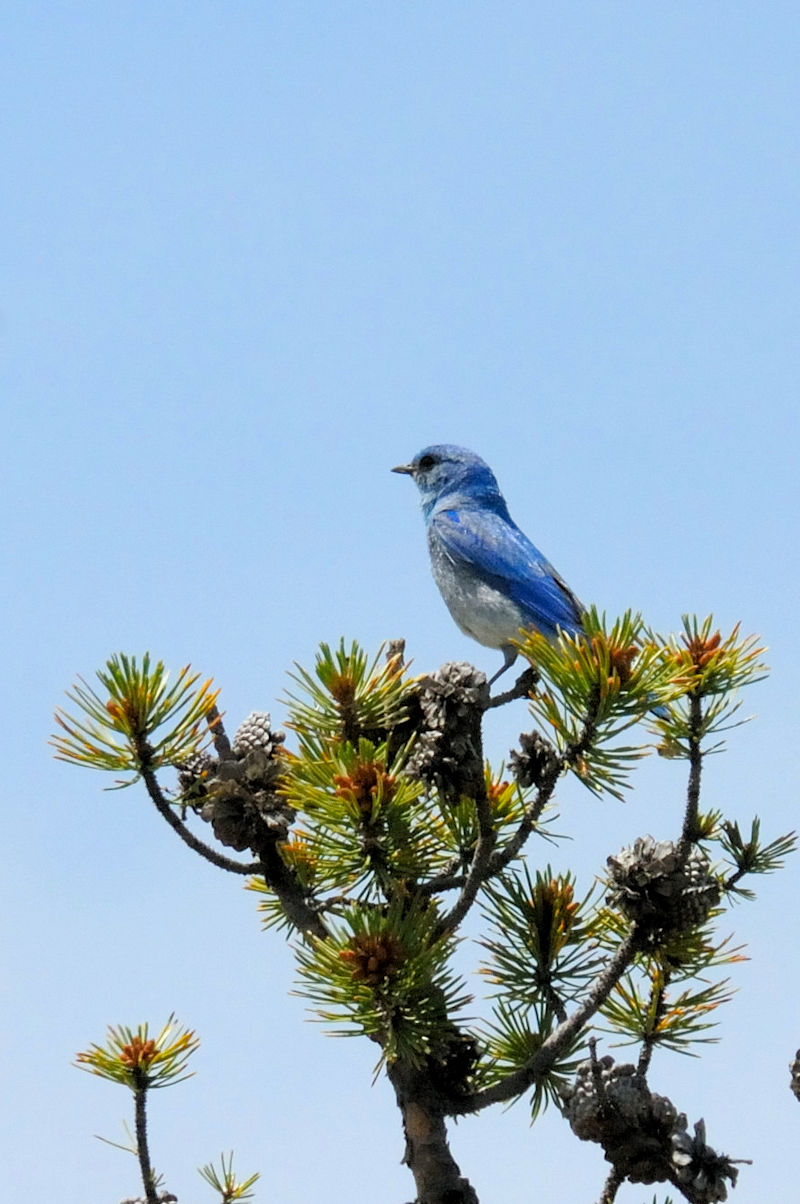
(378, 826)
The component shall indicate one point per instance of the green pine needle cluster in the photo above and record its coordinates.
(648, 1008)
(750, 856)
(457, 827)
(712, 670)
(667, 998)
(348, 695)
(385, 857)
(226, 1182)
(541, 949)
(369, 826)
(513, 1037)
(595, 686)
(385, 973)
(138, 719)
(541, 959)
(138, 1061)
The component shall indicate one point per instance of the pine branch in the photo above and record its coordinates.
(520, 1080)
(277, 875)
(186, 835)
(689, 833)
(142, 1150)
(658, 996)
(478, 871)
(552, 771)
(293, 898)
(521, 689)
(611, 1186)
(427, 1154)
(450, 879)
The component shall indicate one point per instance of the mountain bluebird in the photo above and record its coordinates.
(492, 578)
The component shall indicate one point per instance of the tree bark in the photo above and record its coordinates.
(436, 1173)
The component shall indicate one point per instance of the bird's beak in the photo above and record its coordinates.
(408, 469)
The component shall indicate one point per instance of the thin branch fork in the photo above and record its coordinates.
(277, 875)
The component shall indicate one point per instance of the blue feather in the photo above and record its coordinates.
(503, 556)
(493, 579)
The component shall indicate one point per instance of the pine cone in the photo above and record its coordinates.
(655, 885)
(534, 760)
(642, 1134)
(448, 749)
(256, 734)
(194, 775)
(452, 1068)
(795, 1069)
(699, 1167)
(242, 817)
(632, 1124)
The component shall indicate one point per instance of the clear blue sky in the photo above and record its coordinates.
(255, 254)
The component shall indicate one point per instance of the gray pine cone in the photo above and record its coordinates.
(642, 1134)
(242, 817)
(194, 775)
(698, 1166)
(238, 794)
(256, 734)
(795, 1069)
(654, 885)
(534, 760)
(448, 749)
(632, 1124)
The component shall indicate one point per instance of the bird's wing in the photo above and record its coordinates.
(502, 556)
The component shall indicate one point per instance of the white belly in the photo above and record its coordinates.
(481, 611)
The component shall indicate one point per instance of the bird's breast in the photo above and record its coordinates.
(480, 610)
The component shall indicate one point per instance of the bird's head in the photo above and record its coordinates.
(443, 471)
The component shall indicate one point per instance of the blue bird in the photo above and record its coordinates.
(492, 578)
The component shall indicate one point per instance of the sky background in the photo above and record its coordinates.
(255, 254)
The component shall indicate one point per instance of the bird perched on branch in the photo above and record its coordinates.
(491, 576)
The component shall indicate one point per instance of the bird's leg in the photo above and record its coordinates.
(522, 688)
(509, 656)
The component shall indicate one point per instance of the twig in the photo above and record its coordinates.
(545, 792)
(449, 879)
(187, 836)
(518, 1081)
(612, 1185)
(689, 833)
(143, 1153)
(478, 870)
(270, 864)
(222, 744)
(555, 1002)
(293, 899)
(513, 845)
(658, 997)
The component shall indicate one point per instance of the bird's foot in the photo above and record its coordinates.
(522, 688)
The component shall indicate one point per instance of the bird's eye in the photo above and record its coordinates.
(427, 462)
